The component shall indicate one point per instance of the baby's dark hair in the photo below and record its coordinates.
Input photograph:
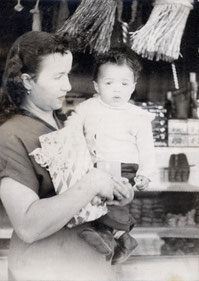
(119, 56)
(25, 56)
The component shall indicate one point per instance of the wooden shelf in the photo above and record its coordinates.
(172, 232)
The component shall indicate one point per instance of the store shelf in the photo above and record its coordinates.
(175, 232)
(172, 232)
(5, 233)
(176, 149)
(172, 187)
(166, 231)
(160, 268)
(159, 258)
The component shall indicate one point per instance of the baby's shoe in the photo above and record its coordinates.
(125, 246)
(102, 240)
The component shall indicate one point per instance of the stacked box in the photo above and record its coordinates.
(177, 132)
(183, 132)
(135, 209)
(193, 132)
(180, 246)
(158, 212)
(197, 210)
(148, 211)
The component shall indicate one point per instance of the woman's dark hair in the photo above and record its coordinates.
(119, 56)
(25, 56)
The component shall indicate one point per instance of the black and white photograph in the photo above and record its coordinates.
(99, 140)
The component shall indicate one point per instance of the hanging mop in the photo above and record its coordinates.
(36, 22)
(18, 7)
(160, 37)
(92, 23)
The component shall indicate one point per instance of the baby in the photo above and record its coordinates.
(117, 132)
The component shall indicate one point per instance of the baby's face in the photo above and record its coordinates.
(115, 83)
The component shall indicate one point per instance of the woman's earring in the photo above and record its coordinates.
(28, 92)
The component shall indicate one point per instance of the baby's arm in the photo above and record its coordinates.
(146, 151)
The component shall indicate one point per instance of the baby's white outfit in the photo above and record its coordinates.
(96, 132)
(119, 134)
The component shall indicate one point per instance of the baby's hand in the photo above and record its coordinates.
(123, 192)
(141, 182)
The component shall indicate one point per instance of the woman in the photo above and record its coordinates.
(42, 248)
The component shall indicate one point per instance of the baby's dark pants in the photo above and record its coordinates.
(118, 217)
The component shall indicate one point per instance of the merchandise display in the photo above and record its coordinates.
(148, 211)
(178, 168)
(183, 132)
(157, 212)
(180, 220)
(174, 246)
(160, 122)
(197, 210)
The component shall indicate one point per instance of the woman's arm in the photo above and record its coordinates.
(34, 218)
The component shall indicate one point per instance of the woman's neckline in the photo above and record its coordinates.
(31, 115)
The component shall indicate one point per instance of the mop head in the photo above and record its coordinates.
(92, 24)
(160, 37)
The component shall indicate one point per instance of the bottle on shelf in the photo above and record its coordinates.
(193, 88)
(169, 105)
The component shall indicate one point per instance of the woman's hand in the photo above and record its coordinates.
(123, 191)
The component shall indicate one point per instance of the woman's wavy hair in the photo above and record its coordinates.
(25, 56)
(121, 55)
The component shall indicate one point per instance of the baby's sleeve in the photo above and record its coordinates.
(145, 146)
(77, 117)
(81, 110)
(15, 163)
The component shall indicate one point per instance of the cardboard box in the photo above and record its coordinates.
(183, 140)
(176, 126)
(193, 140)
(193, 126)
(177, 140)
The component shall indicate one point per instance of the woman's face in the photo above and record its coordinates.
(48, 91)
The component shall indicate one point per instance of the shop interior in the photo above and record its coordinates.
(167, 214)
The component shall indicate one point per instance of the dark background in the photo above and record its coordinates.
(156, 78)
